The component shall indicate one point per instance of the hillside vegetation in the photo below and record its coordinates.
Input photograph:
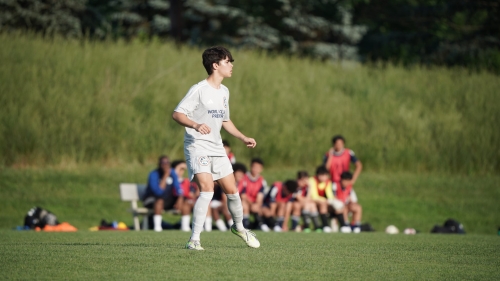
(65, 101)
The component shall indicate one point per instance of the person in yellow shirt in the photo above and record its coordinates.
(320, 192)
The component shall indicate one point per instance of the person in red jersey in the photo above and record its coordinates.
(190, 192)
(278, 204)
(252, 188)
(338, 160)
(347, 202)
(229, 153)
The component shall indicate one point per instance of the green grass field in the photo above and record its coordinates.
(289, 256)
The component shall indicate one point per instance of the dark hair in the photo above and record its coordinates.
(346, 176)
(176, 163)
(321, 170)
(239, 167)
(302, 174)
(336, 138)
(291, 185)
(215, 55)
(257, 160)
(160, 159)
(226, 143)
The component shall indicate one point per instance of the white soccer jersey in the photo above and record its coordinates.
(205, 105)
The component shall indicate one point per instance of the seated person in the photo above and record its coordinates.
(190, 191)
(162, 191)
(320, 191)
(239, 170)
(303, 205)
(251, 188)
(229, 153)
(278, 203)
(347, 202)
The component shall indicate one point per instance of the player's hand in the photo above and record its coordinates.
(202, 129)
(251, 143)
(349, 182)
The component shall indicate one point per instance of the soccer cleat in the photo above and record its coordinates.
(194, 245)
(318, 230)
(277, 228)
(307, 230)
(356, 229)
(247, 236)
(327, 229)
(265, 228)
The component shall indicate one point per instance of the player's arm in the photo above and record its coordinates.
(328, 163)
(183, 120)
(231, 129)
(357, 171)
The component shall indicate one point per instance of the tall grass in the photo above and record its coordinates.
(67, 101)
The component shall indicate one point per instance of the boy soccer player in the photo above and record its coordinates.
(203, 112)
(348, 203)
(339, 158)
(320, 192)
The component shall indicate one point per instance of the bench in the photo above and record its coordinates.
(133, 192)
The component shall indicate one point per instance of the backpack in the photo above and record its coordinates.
(38, 217)
(450, 226)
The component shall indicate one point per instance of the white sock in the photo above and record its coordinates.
(221, 225)
(236, 209)
(230, 222)
(200, 213)
(157, 222)
(185, 220)
(208, 224)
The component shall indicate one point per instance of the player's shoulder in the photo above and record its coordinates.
(223, 87)
(199, 86)
(351, 152)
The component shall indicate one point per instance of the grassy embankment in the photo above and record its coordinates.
(68, 102)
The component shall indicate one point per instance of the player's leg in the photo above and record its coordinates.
(245, 203)
(357, 211)
(186, 206)
(297, 211)
(235, 207)
(323, 213)
(280, 217)
(225, 210)
(256, 209)
(208, 220)
(294, 214)
(206, 184)
(267, 217)
(157, 217)
(313, 211)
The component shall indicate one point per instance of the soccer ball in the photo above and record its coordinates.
(391, 229)
(410, 231)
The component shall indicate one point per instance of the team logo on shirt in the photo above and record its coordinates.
(225, 102)
(203, 160)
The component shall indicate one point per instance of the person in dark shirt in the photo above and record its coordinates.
(162, 191)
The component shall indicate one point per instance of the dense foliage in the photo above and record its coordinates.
(431, 32)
